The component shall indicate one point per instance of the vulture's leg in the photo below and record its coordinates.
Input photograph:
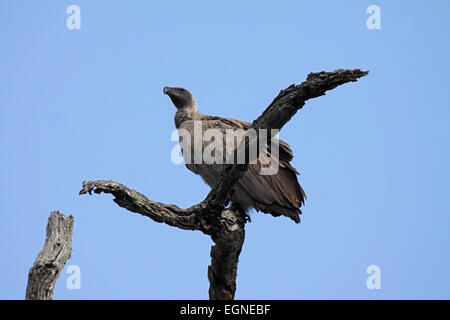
(237, 208)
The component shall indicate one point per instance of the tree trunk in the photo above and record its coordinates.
(225, 256)
(225, 226)
(51, 259)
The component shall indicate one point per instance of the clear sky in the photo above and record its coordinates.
(88, 104)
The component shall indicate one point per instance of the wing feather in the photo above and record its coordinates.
(278, 194)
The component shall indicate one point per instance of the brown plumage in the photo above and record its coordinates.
(277, 194)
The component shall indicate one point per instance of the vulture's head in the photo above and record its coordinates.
(181, 98)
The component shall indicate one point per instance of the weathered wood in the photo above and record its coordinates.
(225, 253)
(276, 115)
(187, 219)
(51, 259)
(226, 227)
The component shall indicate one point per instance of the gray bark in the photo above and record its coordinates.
(225, 256)
(51, 259)
(226, 227)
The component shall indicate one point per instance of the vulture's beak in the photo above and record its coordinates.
(167, 90)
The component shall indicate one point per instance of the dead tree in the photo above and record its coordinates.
(226, 227)
(51, 259)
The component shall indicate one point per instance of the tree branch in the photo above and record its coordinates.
(277, 114)
(51, 259)
(187, 219)
(226, 227)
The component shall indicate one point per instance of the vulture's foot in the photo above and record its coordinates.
(237, 208)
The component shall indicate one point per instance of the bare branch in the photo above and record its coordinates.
(188, 219)
(51, 259)
(226, 227)
(277, 114)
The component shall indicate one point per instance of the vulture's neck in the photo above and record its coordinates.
(185, 114)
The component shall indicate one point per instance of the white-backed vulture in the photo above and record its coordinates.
(277, 194)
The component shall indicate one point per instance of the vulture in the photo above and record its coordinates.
(278, 194)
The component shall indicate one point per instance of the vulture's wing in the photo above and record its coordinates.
(277, 194)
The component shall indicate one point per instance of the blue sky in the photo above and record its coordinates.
(87, 104)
